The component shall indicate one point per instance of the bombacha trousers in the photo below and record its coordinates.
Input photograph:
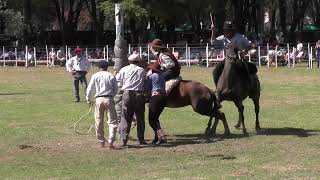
(103, 105)
(133, 102)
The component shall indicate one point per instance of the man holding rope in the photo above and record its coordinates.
(105, 86)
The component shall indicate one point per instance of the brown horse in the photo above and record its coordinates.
(202, 100)
(235, 81)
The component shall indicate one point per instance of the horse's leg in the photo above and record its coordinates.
(257, 110)
(241, 117)
(220, 115)
(207, 132)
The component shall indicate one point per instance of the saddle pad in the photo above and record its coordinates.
(171, 84)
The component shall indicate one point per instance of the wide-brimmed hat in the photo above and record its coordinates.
(229, 26)
(156, 43)
(103, 64)
(135, 56)
(77, 50)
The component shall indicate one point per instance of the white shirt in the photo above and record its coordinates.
(78, 64)
(131, 77)
(103, 83)
(299, 47)
(237, 41)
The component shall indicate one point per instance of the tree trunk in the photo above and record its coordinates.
(299, 9)
(27, 19)
(220, 15)
(283, 13)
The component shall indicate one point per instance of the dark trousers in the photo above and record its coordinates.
(167, 75)
(156, 106)
(132, 103)
(79, 76)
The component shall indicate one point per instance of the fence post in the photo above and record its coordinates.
(35, 57)
(107, 53)
(26, 57)
(4, 59)
(276, 56)
(16, 55)
(268, 62)
(189, 55)
(66, 53)
(104, 53)
(168, 46)
(140, 51)
(172, 49)
(288, 52)
(249, 56)
(207, 54)
(294, 57)
(129, 48)
(259, 55)
(148, 54)
(87, 53)
(311, 58)
(47, 55)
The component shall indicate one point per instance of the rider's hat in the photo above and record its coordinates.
(103, 64)
(77, 50)
(155, 67)
(156, 43)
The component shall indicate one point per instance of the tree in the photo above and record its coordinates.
(68, 25)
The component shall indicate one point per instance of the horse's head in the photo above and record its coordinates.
(232, 53)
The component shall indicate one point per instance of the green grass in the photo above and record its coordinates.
(37, 109)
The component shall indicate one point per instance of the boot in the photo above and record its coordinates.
(161, 136)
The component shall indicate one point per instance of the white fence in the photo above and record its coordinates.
(189, 54)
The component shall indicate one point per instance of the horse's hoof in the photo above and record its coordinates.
(237, 126)
(226, 134)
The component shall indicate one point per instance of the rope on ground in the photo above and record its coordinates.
(76, 123)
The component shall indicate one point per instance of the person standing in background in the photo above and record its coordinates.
(78, 66)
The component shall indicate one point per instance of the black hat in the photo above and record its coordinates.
(228, 26)
(103, 64)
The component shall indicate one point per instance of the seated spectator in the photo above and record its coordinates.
(61, 57)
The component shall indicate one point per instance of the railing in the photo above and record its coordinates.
(269, 55)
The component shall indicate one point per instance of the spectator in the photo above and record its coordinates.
(131, 78)
(78, 66)
(61, 57)
(52, 57)
(104, 84)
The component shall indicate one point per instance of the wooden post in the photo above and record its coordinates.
(288, 52)
(207, 54)
(108, 53)
(104, 53)
(259, 55)
(47, 56)
(187, 54)
(35, 56)
(26, 57)
(129, 49)
(4, 59)
(276, 56)
(148, 53)
(140, 52)
(268, 62)
(16, 55)
(294, 57)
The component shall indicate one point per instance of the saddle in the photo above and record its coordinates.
(170, 84)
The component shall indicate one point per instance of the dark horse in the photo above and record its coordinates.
(202, 100)
(235, 80)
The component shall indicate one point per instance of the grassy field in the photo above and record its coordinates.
(37, 110)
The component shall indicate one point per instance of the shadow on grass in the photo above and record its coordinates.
(286, 131)
(189, 139)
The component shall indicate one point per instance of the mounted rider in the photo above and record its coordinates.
(169, 64)
(236, 46)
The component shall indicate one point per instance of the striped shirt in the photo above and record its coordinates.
(131, 77)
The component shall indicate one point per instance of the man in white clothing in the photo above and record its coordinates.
(104, 84)
(78, 66)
